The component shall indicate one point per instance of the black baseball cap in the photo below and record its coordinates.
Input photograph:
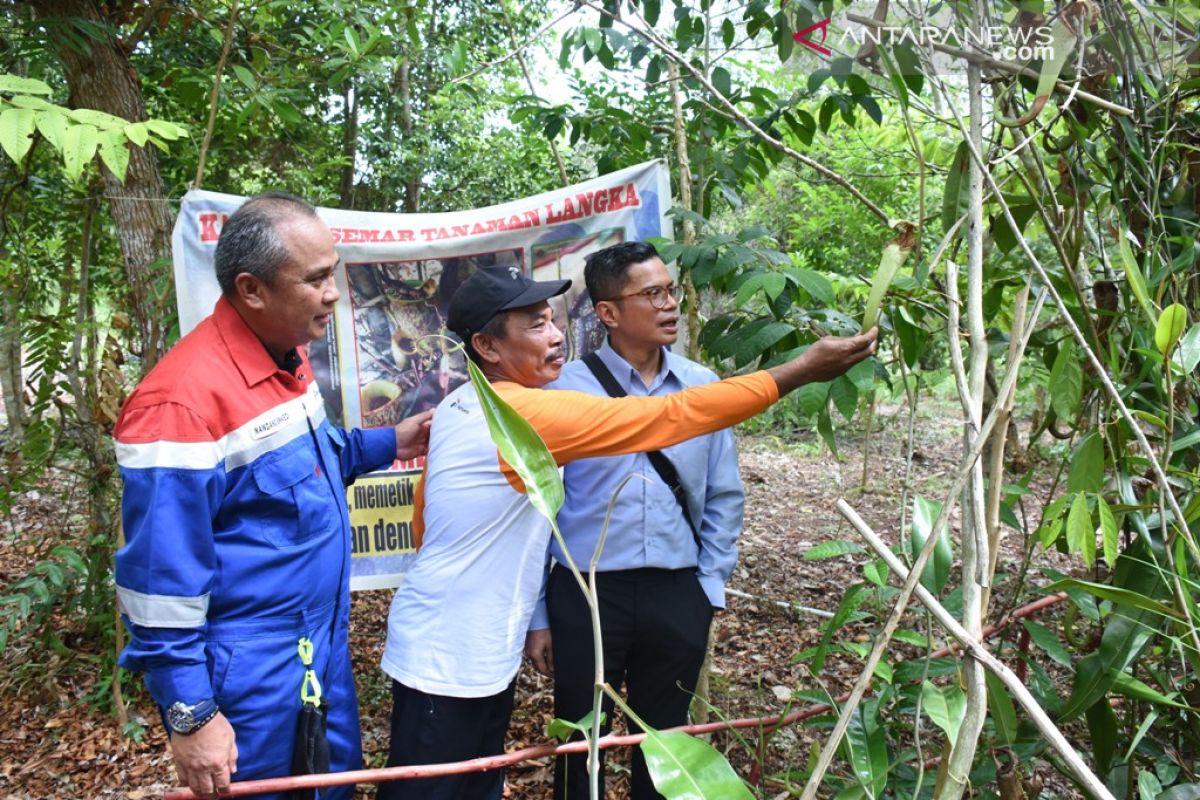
(491, 290)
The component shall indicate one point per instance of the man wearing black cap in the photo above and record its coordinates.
(458, 623)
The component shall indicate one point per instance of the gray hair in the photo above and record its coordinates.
(250, 240)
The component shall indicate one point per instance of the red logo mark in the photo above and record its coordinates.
(802, 37)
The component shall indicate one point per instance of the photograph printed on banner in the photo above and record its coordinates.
(405, 363)
(563, 257)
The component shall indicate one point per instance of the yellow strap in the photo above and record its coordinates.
(310, 689)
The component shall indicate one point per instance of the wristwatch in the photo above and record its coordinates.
(184, 719)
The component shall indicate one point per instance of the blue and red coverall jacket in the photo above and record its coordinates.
(235, 515)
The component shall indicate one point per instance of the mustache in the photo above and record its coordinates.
(556, 353)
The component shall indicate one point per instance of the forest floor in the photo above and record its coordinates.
(54, 744)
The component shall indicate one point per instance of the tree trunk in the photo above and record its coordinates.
(11, 385)
(103, 79)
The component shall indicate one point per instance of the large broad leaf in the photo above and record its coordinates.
(1066, 383)
(1087, 465)
(1116, 595)
(1133, 275)
(16, 132)
(865, 747)
(114, 152)
(1126, 632)
(1188, 355)
(1189, 791)
(1081, 536)
(1170, 327)
(1102, 728)
(954, 201)
(15, 84)
(937, 569)
(894, 255)
(686, 768)
(521, 447)
(946, 706)
(79, 145)
(1109, 534)
(563, 729)
(1001, 710)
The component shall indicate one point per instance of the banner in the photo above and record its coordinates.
(384, 357)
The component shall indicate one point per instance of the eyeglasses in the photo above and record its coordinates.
(657, 295)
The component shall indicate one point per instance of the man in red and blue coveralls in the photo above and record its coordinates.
(236, 526)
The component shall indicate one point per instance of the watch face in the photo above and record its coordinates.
(180, 718)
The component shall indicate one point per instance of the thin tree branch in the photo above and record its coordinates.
(216, 93)
(1074, 762)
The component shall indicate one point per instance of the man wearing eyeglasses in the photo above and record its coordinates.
(671, 541)
(459, 622)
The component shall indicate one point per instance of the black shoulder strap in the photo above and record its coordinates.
(662, 465)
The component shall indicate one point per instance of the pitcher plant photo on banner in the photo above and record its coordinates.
(387, 354)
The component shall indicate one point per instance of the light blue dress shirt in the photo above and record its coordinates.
(648, 528)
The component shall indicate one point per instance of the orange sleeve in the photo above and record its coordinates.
(418, 517)
(578, 425)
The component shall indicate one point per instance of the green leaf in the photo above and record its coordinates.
(687, 768)
(844, 395)
(1126, 631)
(563, 729)
(770, 283)
(825, 429)
(1130, 686)
(721, 81)
(1149, 787)
(1087, 465)
(1190, 791)
(53, 126)
(16, 132)
(894, 255)
(954, 198)
(1116, 594)
(1170, 327)
(114, 153)
(246, 77)
(1102, 729)
(521, 447)
(866, 748)
(1109, 534)
(137, 133)
(811, 398)
(877, 572)
(937, 569)
(79, 146)
(1046, 639)
(15, 84)
(831, 549)
(945, 706)
(1081, 536)
(1188, 356)
(1133, 275)
(854, 597)
(820, 289)
(1066, 383)
(1001, 710)
(98, 119)
(166, 130)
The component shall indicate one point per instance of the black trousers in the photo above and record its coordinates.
(654, 628)
(435, 729)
